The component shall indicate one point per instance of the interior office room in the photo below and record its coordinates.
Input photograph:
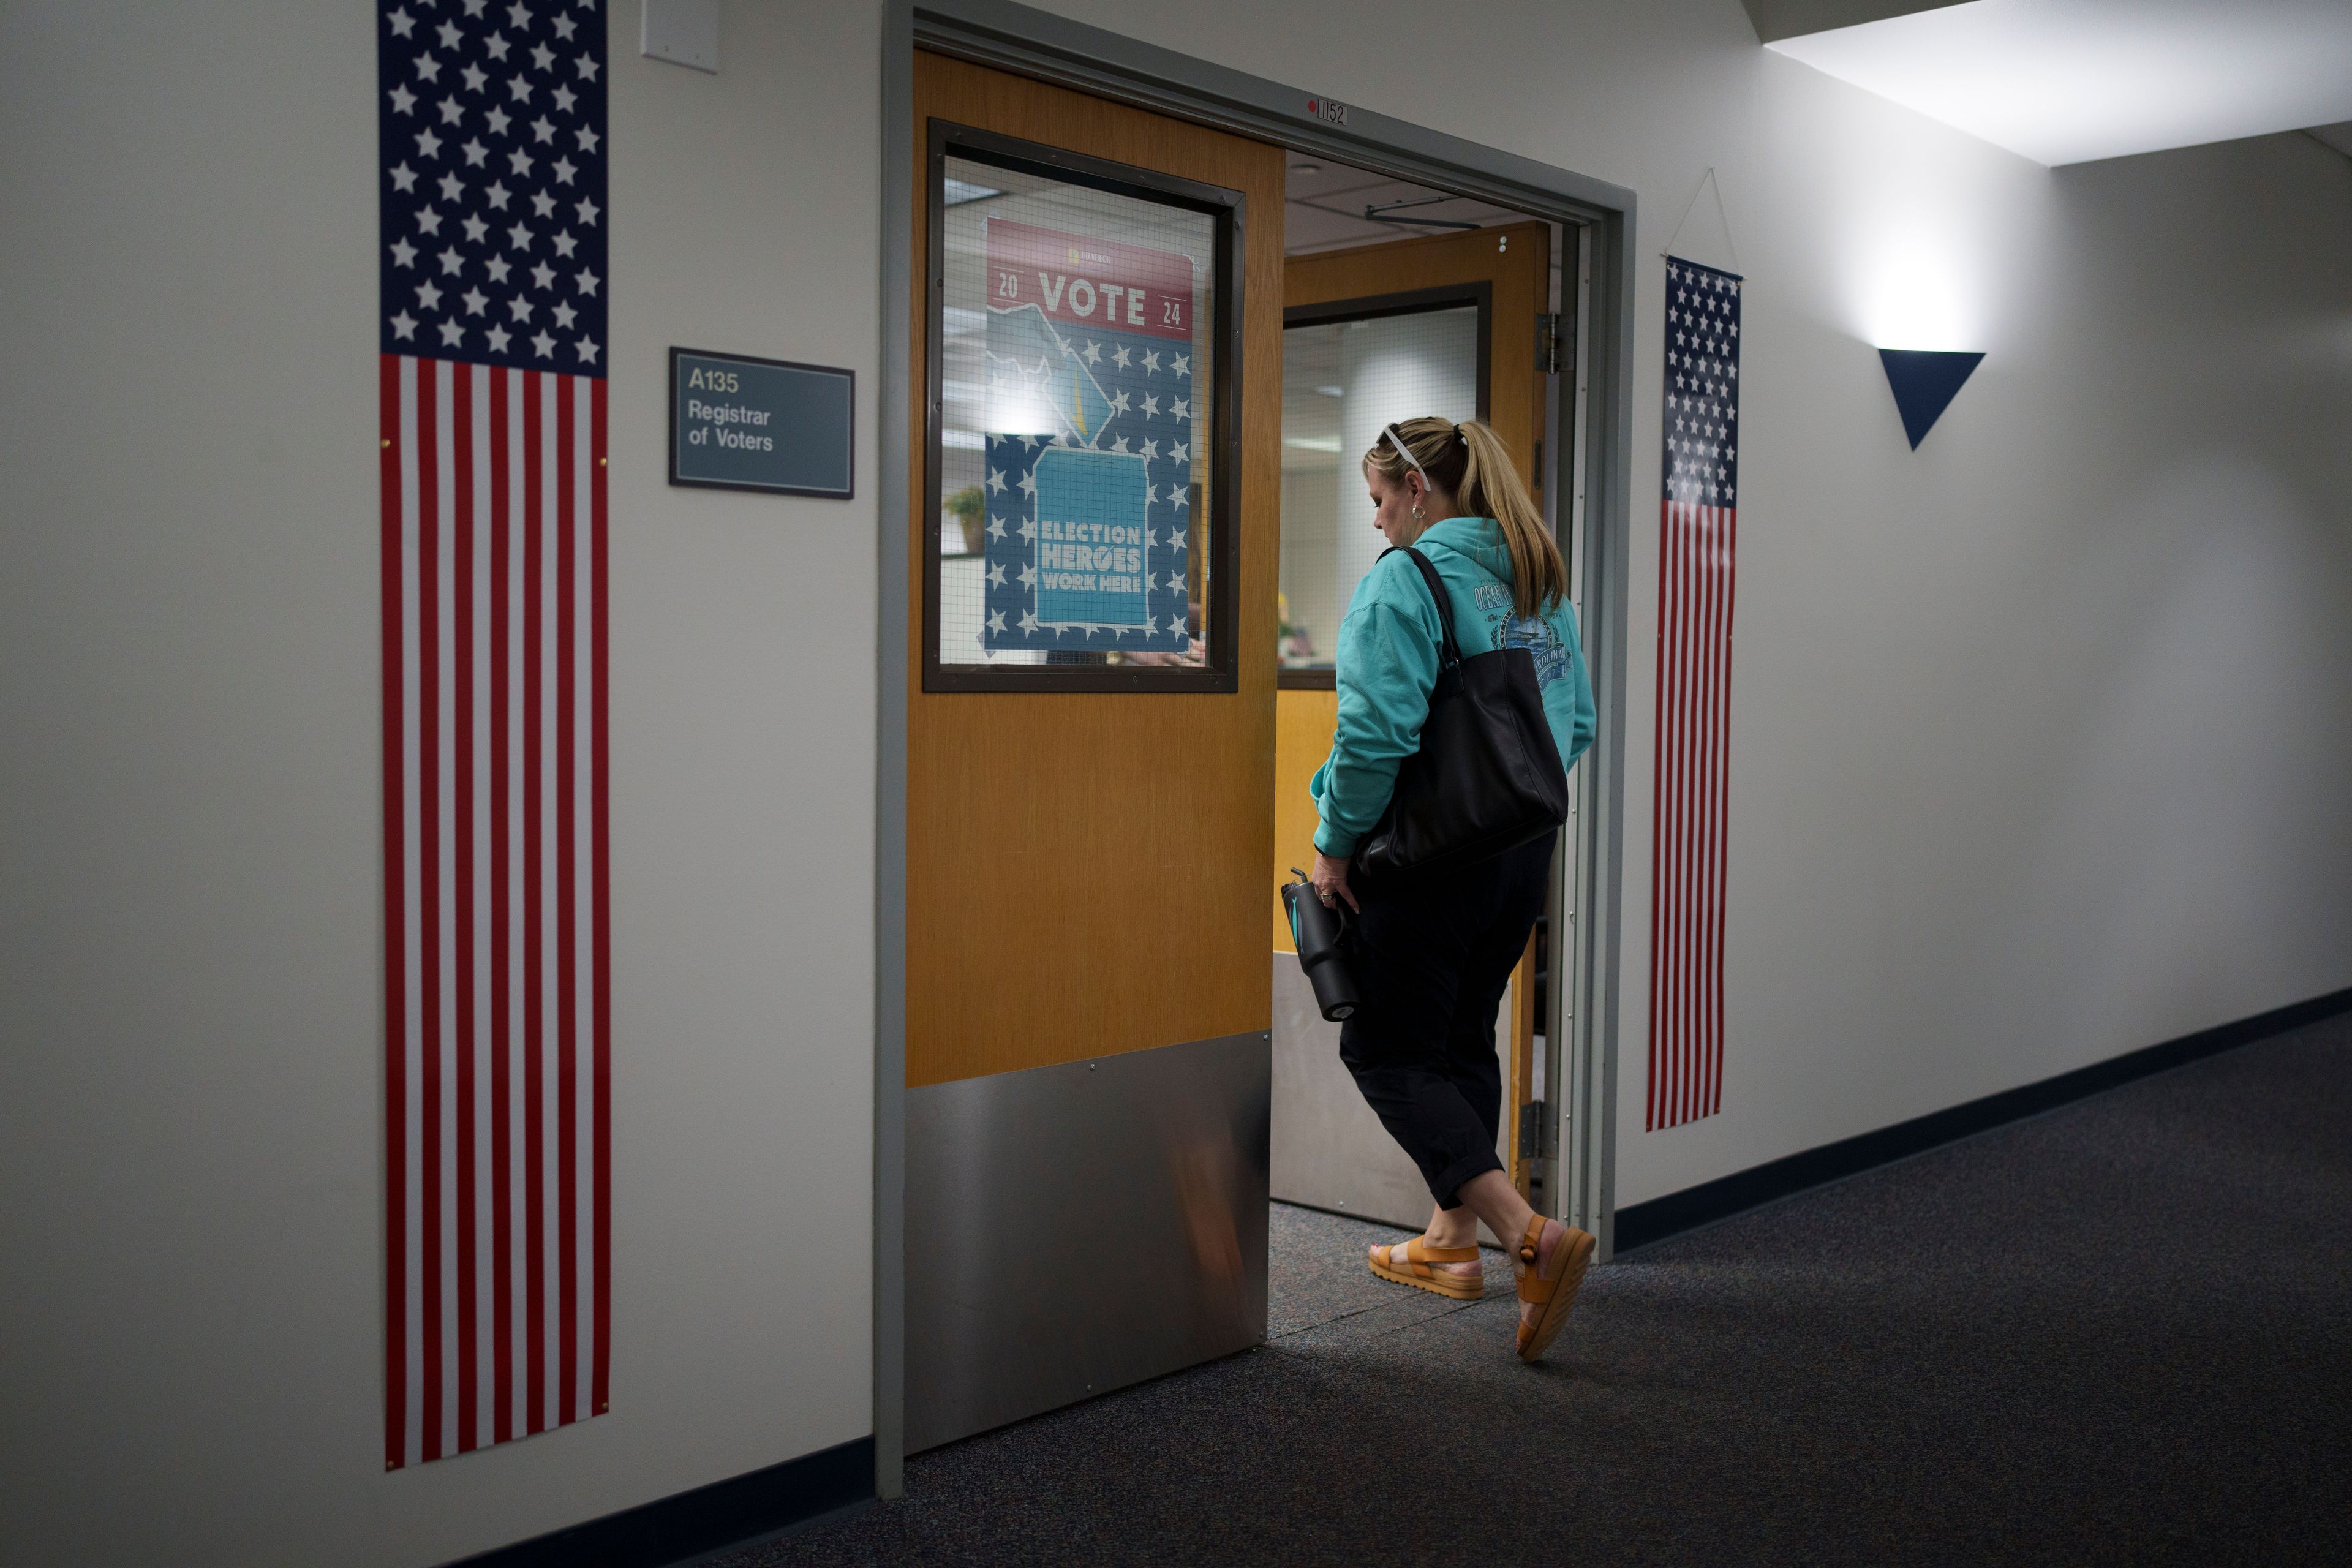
(624, 945)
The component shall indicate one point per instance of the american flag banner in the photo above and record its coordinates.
(498, 1025)
(1699, 529)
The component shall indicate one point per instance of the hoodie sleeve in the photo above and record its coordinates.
(1568, 703)
(1388, 666)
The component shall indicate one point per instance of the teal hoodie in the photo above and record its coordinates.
(1388, 665)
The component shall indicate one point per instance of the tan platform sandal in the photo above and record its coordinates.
(1410, 1265)
(1552, 1296)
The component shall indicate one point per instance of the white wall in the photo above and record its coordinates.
(191, 986)
(1428, 364)
(1310, 537)
(2041, 734)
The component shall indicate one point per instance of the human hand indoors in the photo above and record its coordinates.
(1331, 880)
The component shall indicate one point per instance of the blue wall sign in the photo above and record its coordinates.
(744, 424)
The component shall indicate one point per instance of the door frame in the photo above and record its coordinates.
(1052, 48)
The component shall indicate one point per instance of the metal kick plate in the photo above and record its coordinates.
(1077, 1228)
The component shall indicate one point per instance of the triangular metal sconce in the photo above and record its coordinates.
(1924, 382)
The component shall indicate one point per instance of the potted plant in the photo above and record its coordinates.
(969, 507)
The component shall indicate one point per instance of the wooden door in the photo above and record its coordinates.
(1084, 864)
(1507, 270)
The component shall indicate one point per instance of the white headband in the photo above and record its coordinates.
(1396, 440)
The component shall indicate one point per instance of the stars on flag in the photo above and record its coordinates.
(1702, 399)
(491, 131)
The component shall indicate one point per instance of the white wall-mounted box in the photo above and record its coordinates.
(683, 32)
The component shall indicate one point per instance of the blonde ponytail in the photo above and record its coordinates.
(1471, 461)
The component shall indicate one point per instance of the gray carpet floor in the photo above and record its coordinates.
(2119, 1333)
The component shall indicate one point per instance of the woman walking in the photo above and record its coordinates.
(1434, 950)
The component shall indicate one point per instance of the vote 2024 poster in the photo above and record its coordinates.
(1089, 442)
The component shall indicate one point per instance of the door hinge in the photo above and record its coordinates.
(1539, 1139)
(1555, 333)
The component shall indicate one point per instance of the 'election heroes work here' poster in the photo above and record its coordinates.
(1089, 439)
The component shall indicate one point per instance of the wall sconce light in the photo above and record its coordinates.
(1924, 382)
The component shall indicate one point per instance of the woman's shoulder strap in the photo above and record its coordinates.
(1449, 651)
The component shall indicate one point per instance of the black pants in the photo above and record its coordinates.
(1430, 958)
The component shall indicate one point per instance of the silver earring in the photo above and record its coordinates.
(1417, 516)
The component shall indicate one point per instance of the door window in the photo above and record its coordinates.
(1348, 371)
(1079, 384)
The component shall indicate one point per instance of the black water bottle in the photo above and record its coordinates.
(1317, 931)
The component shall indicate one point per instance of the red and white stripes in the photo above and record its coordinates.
(497, 931)
(1690, 811)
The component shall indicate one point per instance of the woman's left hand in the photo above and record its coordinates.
(1331, 880)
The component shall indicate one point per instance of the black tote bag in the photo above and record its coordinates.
(1487, 776)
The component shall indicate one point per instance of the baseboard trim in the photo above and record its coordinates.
(693, 1524)
(1640, 1225)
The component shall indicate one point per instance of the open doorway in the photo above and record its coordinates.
(1401, 300)
(1035, 1018)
